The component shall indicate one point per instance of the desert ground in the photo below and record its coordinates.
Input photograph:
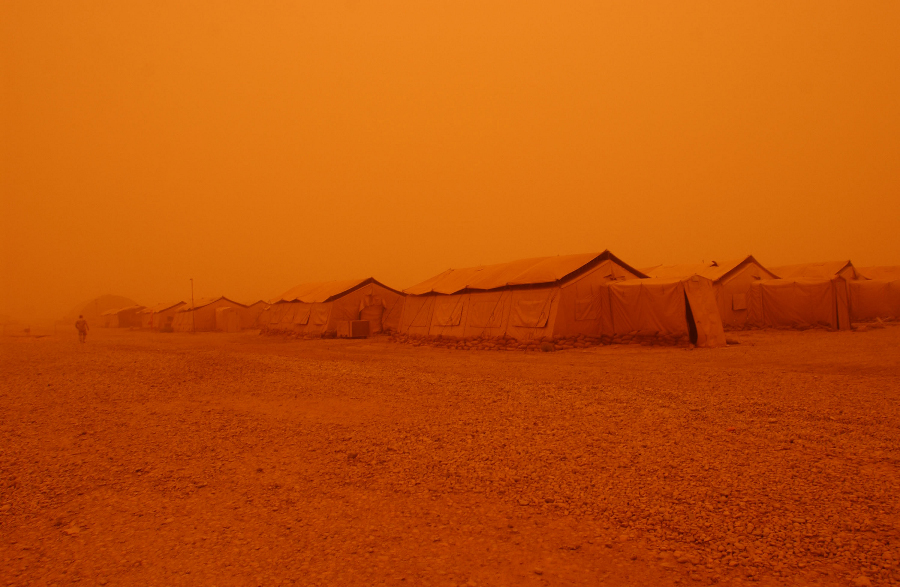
(238, 459)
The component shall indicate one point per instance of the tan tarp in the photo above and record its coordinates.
(665, 308)
(876, 298)
(731, 281)
(818, 271)
(799, 303)
(520, 303)
(318, 308)
(884, 272)
(202, 317)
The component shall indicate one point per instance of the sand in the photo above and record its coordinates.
(237, 459)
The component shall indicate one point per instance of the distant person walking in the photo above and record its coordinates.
(82, 326)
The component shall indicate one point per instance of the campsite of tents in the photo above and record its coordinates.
(549, 298)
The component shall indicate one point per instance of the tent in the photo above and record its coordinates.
(664, 308)
(885, 272)
(202, 316)
(327, 308)
(228, 319)
(818, 271)
(873, 299)
(159, 316)
(799, 303)
(94, 308)
(127, 317)
(527, 299)
(252, 313)
(731, 281)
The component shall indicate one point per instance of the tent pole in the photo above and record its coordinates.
(193, 314)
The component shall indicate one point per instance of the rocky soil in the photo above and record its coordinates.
(234, 459)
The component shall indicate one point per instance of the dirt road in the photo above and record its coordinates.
(213, 459)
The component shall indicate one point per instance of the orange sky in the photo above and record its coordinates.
(255, 146)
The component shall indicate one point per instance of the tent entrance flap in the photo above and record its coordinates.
(689, 316)
(700, 298)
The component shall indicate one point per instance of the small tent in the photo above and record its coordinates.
(327, 308)
(527, 299)
(202, 316)
(159, 316)
(731, 281)
(127, 317)
(93, 309)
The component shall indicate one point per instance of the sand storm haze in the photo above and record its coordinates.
(449, 293)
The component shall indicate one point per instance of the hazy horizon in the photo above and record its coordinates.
(254, 148)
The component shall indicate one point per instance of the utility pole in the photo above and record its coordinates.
(193, 312)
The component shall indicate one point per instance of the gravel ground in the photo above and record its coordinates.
(177, 459)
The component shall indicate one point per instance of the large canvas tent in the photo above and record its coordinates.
(875, 299)
(327, 308)
(202, 316)
(884, 272)
(159, 316)
(809, 294)
(799, 303)
(818, 271)
(535, 298)
(731, 282)
(664, 308)
(252, 313)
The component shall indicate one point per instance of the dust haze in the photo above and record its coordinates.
(255, 148)
(450, 293)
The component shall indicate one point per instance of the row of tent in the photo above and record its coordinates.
(207, 314)
(594, 294)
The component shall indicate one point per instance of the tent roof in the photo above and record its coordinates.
(826, 270)
(658, 280)
(714, 271)
(537, 271)
(207, 301)
(161, 307)
(324, 291)
(263, 302)
(882, 272)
